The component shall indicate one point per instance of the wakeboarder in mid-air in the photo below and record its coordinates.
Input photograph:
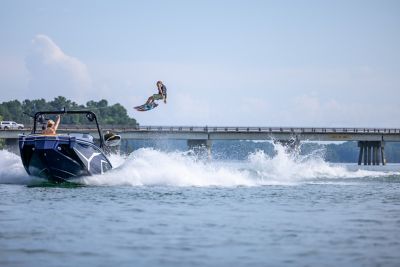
(150, 103)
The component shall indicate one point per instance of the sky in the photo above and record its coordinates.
(224, 62)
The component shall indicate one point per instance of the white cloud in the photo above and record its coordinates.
(215, 95)
(309, 110)
(55, 73)
(13, 78)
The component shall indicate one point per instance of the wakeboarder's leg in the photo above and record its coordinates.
(150, 100)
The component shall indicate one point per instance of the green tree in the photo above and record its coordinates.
(17, 111)
(11, 110)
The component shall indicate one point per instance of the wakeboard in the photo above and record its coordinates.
(146, 107)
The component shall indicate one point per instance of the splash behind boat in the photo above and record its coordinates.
(64, 157)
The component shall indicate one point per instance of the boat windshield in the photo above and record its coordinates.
(82, 136)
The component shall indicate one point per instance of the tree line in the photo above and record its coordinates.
(19, 112)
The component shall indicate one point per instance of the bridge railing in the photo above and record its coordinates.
(219, 129)
(265, 129)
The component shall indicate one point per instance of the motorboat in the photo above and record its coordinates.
(65, 156)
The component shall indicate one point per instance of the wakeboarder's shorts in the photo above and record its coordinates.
(158, 96)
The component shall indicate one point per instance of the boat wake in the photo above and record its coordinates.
(148, 167)
(11, 169)
(152, 167)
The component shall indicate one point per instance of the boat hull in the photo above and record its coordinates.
(61, 157)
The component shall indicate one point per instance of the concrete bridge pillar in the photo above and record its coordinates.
(369, 152)
(200, 147)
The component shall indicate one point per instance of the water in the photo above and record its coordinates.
(173, 209)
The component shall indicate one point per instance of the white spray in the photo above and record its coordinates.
(152, 167)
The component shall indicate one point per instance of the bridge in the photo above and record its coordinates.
(370, 140)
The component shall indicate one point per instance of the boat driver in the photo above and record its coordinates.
(52, 127)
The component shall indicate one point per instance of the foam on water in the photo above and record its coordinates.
(148, 166)
(293, 167)
(11, 169)
(152, 167)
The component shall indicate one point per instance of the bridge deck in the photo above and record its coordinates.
(236, 133)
